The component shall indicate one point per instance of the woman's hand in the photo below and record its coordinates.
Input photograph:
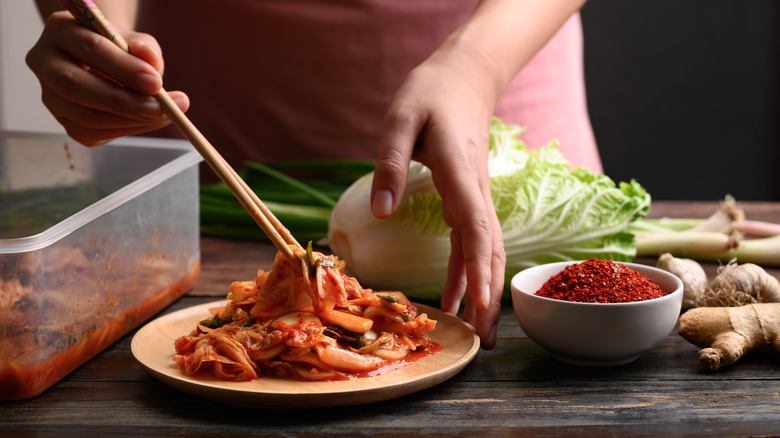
(94, 89)
(441, 116)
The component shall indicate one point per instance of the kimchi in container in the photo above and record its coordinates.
(93, 242)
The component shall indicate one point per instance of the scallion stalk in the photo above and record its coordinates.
(303, 204)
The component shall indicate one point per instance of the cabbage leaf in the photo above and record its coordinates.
(547, 214)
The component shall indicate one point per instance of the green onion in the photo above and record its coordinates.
(301, 194)
(326, 200)
(389, 299)
(249, 322)
(310, 253)
(213, 322)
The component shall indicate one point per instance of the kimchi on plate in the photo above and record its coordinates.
(307, 322)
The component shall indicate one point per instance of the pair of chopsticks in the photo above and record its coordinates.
(90, 16)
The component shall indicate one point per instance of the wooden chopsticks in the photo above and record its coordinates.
(90, 16)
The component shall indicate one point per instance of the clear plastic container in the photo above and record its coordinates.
(93, 242)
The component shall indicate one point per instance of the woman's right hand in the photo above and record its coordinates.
(97, 91)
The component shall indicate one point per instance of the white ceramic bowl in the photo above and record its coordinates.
(595, 334)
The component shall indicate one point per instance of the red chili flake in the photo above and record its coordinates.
(600, 281)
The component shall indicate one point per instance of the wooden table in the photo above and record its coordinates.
(515, 389)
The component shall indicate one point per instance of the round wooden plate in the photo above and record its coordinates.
(153, 348)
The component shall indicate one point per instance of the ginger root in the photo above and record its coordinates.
(728, 333)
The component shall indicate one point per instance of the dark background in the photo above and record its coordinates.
(684, 96)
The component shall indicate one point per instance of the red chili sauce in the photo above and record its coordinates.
(600, 281)
(414, 356)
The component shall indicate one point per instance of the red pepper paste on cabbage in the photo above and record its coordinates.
(600, 281)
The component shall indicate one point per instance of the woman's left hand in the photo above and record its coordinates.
(440, 116)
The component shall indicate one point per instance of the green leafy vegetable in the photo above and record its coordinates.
(547, 214)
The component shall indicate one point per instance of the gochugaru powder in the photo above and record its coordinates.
(600, 281)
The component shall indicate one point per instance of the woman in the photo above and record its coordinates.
(389, 80)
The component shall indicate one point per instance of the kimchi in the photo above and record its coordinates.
(308, 322)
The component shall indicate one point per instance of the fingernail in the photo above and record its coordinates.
(382, 204)
(149, 110)
(452, 308)
(493, 336)
(148, 83)
(485, 298)
(488, 332)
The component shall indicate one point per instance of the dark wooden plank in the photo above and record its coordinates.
(616, 405)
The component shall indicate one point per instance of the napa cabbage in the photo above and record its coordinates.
(547, 214)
